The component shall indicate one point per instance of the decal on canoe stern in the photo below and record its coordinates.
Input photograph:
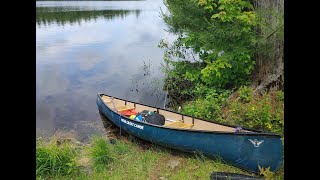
(255, 142)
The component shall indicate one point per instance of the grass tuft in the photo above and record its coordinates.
(101, 152)
(53, 159)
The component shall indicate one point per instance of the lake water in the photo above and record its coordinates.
(86, 47)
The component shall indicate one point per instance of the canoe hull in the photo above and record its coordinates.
(241, 149)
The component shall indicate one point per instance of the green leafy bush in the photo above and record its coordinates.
(222, 33)
(208, 107)
(245, 93)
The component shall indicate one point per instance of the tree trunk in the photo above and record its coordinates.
(269, 70)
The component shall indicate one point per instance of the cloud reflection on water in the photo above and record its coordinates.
(74, 61)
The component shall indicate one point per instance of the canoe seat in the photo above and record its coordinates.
(178, 124)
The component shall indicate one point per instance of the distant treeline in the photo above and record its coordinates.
(90, 0)
(47, 16)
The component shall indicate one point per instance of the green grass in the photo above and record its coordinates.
(101, 152)
(54, 159)
(199, 167)
(126, 159)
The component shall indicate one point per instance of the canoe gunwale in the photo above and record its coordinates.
(253, 133)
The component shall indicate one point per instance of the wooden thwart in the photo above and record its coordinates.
(178, 124)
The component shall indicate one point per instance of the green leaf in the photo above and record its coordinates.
(215, 16)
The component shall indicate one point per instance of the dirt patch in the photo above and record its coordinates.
(156, 171)
(171, 163)
(84, 161)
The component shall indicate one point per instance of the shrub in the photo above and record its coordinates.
(208, 107)
(259, 113)
(245, 93)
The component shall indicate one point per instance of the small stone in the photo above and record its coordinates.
(173, 163)
(113, 141)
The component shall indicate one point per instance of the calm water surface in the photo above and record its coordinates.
(87, 47)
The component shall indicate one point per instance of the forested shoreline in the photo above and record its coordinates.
(227, 63)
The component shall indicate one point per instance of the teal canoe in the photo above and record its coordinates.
(245, 149)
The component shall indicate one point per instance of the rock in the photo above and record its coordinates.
(173, 163)
(163, 178)
(113, 141)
